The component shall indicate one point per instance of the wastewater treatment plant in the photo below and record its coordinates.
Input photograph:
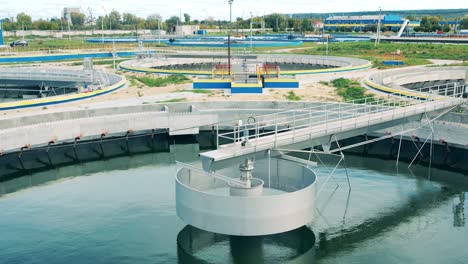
(298, 138)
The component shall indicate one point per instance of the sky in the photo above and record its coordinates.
(218, 9)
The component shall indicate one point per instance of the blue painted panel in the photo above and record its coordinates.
(281, 85)
(246, 90)
(393, 63)
(211, 85)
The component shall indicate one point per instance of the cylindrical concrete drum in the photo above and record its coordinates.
(286, 203)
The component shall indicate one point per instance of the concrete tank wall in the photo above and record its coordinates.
(179, 118)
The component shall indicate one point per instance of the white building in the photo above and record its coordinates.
(186, 29)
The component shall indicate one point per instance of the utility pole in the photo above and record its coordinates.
(22, 25)
(379, 25)
(69, 34)
(251, 35)
(327, 46)
(102, 29)
(229, 37)
(114, 53)
(159, 30)
(102, 22)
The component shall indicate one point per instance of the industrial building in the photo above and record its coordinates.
(451, 24)
(367, 23)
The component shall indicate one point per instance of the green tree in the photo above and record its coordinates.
(130, 19)
(55, 23)
(77, 19)
(186, 18)
(153, 20)
(446, 28)
(24, 20)
(41, 24)
(464, 23)
(430, 23)
(306, 25)
(115, 19)
(275, 21)
(8, 25)
(173, 21)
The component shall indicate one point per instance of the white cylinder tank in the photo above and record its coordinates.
(282, 198)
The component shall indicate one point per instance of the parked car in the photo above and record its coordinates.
(22, 43)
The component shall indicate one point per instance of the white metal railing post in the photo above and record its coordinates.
(341, 119)
(217, 136)
(310, 124)
(294, 126)
(257, 132)
(276, 128)
(234, 134)
(326, 119)
(365, 105)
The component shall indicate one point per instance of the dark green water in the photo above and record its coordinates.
(122, 210)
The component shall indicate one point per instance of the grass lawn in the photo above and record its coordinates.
(160, 82)
(414, 54)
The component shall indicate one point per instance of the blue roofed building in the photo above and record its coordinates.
(451, 24)
(1, 34)
(367, 23)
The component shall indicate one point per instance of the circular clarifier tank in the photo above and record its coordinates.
(281, 198)
(205, 63)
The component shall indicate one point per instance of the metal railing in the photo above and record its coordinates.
(44, 74)
(218, 176)
(306, 123)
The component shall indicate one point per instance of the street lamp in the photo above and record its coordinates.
(229, 36)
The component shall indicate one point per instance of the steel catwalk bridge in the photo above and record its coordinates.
(324, 124)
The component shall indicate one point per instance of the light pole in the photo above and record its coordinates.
(159, 30)
(251, 21)
(102, 30)
(110, 20)
(229, 37)
(379, 25)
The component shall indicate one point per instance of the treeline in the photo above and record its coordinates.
(450, 14)
(437, 23)
(114, 20)
(127, 21)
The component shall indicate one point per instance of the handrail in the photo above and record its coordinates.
(369, 108)
(228, 180)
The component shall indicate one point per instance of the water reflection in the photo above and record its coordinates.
(459, 211)
(199, 246)
(386, 216)
(110, 162)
